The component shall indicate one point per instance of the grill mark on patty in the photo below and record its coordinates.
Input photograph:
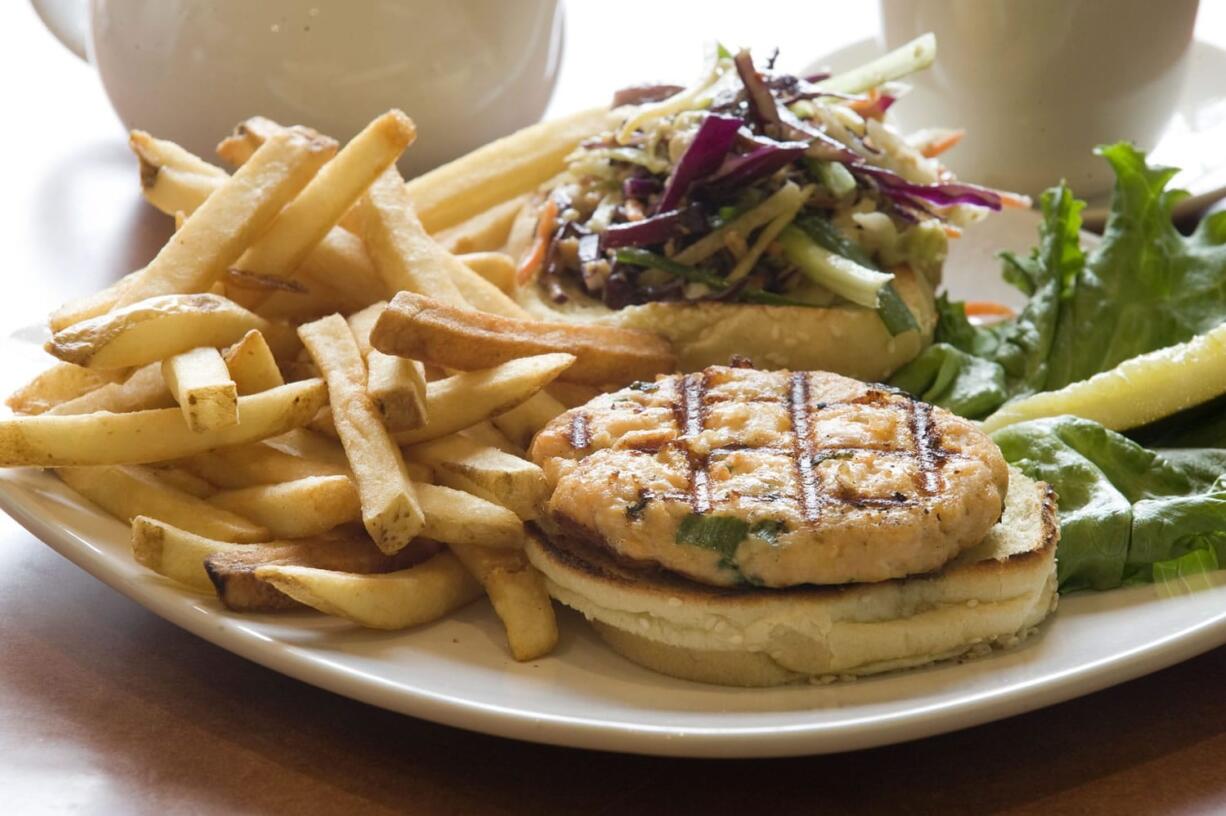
(580, 435)
(926, 440)
(802, 446)
(690, 411)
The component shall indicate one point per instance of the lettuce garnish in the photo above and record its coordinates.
(1144, 287)
(1127, 514)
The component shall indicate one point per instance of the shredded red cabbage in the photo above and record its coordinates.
(711, 144)
(761, 101)
(790, 89)
(945, 194)
(640, 186)
(650, 231)
(822, 146)
(760, 162)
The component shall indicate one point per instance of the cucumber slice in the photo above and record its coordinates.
(1137, 391)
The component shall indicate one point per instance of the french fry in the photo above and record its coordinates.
(523, 421)
(338, 264)
(518, 594)
(496, 267)
(467, 398)
(403, 254)
(151, 436)
(337, 186)
(425, 329)
(483, 295)
(171, 178)
(183, 479)
(251, 364)
(144, 389)
(484, 232)
(201, 384)
(175, 553)
(572, 395)
(523, 229)
(457, 517)
(344, 550)
(128, 491)
(307, 444)
(92, 305)
(230, 219)
(484, 433)
(313, 505)
(258, 464)
(393, 600)
(390, 509)
(361, 322)
(485, 471)
(60, 383)
(241, 145)
(154, 329)
(398, 389)
(233, 577)
(396, 385)
(297, 509)
(502, 170)
(301, 307)
(156, 154)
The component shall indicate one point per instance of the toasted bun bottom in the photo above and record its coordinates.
(847, 340)
(991, 595)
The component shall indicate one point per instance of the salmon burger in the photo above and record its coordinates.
(757, 514)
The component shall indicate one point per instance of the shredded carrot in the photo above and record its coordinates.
(1014, 201)
(938, 146)
(951, 231)
(988, 308)
(531, 263)
(868, 106)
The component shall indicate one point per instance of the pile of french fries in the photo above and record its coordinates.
(275, 430)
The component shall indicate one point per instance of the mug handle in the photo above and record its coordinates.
(68, 20)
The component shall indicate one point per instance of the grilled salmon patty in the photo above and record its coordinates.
(775, 478)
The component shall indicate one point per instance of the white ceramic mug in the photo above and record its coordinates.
(1038, 83)
(467, 71)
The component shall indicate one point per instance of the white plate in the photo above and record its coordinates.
(457, 671)
(1192, 140)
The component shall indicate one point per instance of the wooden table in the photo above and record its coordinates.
(106, 708)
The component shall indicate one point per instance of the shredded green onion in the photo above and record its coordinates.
(689, 98)
(834, 176)
(890, 305)
(787, 197)
(839, 274)
(914, 56)
(766, 237)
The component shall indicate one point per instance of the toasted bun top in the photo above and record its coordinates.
(845, 339)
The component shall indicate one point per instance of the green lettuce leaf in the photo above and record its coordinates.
(1144, 287)
(1127, 514)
